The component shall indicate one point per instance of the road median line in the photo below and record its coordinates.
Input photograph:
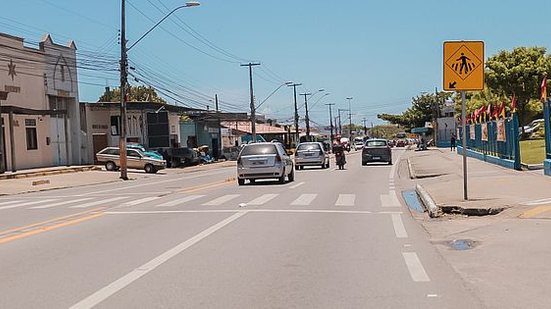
(45, 226)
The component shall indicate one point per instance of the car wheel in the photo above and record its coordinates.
(110, 166)
(240, 181)
(323, 166)
(149, 168)
(281, 179)
(390, 162)
(364, 163)
(291, 176)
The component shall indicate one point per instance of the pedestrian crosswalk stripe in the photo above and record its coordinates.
(109, 200)
(141, 201)
(346, 200)
(12, 202)
(263, 199)
(390, 200)
(180, 201)
(61, 203)
(25, 204)
(304, 200)
(221, 200)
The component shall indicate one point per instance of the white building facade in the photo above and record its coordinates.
(39, 104)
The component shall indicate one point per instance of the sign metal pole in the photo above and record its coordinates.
(464, 144)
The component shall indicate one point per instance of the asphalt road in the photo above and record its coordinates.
(330, 239)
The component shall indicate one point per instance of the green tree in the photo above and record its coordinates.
(519, 72)
(423, 109)
(135, 94)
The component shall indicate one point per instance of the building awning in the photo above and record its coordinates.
(421, 130)
(245, 127)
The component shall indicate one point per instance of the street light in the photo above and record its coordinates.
(349, 118)
(273, 92)
(124, 78)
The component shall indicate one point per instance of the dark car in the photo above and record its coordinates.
(182, 156)
(376, 150)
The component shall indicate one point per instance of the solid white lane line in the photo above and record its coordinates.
(263, 199)
(314, 211)
(25, 204)
(304, 200)
(141, 201)
(12, 202)
(142, 270)
(100, 202)
(179, 201)
(61, 203)
(416, 270)
(399, 228)
(346, 200)
(296, 185)
(221, 200)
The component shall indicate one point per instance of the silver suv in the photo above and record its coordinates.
(264, 161)
(110, 156)
(311, 154)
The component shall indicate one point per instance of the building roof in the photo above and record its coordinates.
(245, 126)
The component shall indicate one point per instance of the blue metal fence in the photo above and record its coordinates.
(507, 150)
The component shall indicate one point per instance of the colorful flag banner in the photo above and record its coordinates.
(501, 130)
(484, 129)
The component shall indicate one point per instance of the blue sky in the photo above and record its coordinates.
(381, 53)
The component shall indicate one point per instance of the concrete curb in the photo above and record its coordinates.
(19, 175)
(411, 170)
(428, 202)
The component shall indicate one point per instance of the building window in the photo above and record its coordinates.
(115, 125)
(32, 143)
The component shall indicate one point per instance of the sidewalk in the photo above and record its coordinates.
(440, 173)
(51, 178)
(504, 258)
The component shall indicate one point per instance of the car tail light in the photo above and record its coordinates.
(278, 158)
(321, 152)
(238, 160)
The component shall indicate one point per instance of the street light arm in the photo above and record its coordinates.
(271, 94)
(157, 24)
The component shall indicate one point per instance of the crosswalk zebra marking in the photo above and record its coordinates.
(95, 203)
(221, 200)
(179, 201)
(12, 202)
(25, 204)
(263, 199)
(304, 200)
(61, 203)
(141, 201)
(346, 200)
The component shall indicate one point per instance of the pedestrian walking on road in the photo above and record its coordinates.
(453, 140)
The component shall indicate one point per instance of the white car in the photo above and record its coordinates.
(264, 161)
(311, 154)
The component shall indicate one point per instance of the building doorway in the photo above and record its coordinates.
(99, 141)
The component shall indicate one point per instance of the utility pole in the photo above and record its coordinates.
(306, 117)
(365, 126)
(253, 109)
(340, 122)
(349, 118)
(294, 85)
(331, 119)
(123, 77)
(219, 128)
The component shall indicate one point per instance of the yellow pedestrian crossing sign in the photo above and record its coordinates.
(463, 65)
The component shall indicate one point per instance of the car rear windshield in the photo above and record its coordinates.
(375, 143)
(308, 147)
(258, 150)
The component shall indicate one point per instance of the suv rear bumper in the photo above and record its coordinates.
(259, 173)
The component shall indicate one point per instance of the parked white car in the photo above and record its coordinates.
(110, 156)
